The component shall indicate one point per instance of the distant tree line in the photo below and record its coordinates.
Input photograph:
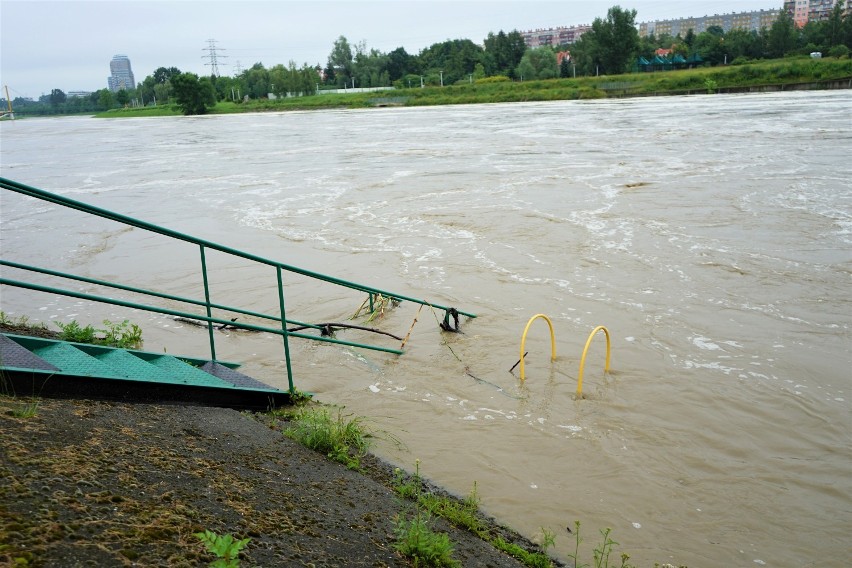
(611, 46)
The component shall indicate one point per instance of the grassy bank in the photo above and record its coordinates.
(757, 75)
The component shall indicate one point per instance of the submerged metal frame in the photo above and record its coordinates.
(208, 305)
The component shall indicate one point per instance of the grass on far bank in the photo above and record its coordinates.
(788, 71)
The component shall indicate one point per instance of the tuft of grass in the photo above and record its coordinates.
(22, 322)
(342, 438)
(462, 514)
(25, 408)
(415, 537)
(531, 559)
(418, 541)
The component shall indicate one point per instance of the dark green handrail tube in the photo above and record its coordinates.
(167, 311)
(207, 303)
(145, 292)
(284, 327)
(61, 200)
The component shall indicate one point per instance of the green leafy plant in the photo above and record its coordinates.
(73, 332)
(342, 438)
(125, 335)
(548, 539)
(601, 552)
(415, 537)
(225, 547)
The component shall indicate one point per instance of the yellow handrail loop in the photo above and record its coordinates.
(583, 358)
(524, 340)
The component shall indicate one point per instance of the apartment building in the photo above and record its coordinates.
(554, 36)
(804, 11)
(754, 20)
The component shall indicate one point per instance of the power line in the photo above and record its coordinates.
(213, 56)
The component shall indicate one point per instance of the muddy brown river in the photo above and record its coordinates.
(711, 235)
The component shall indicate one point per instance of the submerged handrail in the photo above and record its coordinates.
(583, 358)
(127, 220)
(524, 340)
(203, 244)
(553, 349)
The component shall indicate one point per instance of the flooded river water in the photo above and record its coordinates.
(711, 235)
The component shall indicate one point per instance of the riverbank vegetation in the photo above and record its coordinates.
(502, 68)
(790, 73)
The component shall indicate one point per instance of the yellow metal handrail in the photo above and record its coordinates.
(583, 358)
(524, 340)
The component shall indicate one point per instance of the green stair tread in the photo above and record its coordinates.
(133, 367)
(69, 359)
(186, 373)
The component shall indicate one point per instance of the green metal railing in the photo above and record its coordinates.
(209, 306)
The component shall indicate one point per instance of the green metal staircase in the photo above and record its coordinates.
(49, 367)
(55, 367)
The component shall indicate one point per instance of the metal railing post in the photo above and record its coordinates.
(207, 304)
(284, 329)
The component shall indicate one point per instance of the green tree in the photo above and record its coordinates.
(370, 67)
(710, 45)
(615, 40)
(846, 31)
(229, 88)
(503, 53)
(400, 63)
(256, 80)
(782, 35)
(565, 68)
(105, 99)
(582, 56)
(689, 39)
(478, 71)
(193, 95)
(454, 59)
(57, 97)
(538, 63)
(122, 97)
(163, 74)
(834, 25)
(340, 61)
(742, 44)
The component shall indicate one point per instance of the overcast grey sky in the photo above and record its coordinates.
(68, 44)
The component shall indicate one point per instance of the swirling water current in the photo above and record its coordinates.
(711, 235)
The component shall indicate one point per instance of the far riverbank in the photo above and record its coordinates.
(759, 76)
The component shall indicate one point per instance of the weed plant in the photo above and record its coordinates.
(415, 537)
(342, 438)
(225, 547)
(20, 322)
(125, 335)
(463, 515)
(601, 552)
